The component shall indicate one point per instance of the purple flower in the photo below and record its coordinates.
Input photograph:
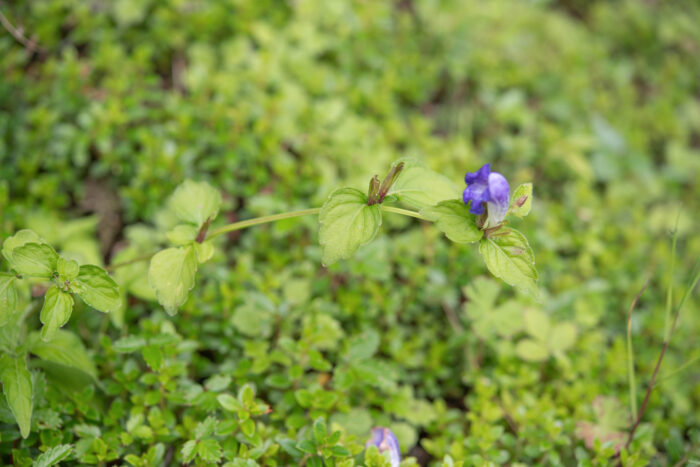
(385, 440)
(484, 186)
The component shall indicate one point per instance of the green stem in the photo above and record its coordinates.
(260, 220)
(669, 292)
(630, 353)
(404, 212)
(264, 220)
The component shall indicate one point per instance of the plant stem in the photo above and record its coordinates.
(404, 212)
(260, 220)
(688, 291)
(630, 353)
(138, 259)
(669, 292)
(263, 220)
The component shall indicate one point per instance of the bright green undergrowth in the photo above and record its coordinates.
(273, 359)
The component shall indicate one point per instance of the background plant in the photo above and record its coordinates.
(276, 106)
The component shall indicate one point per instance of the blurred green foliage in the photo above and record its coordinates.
(275, 360)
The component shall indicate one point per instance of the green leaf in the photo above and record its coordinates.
(420, 187)
(53, 456)
(8, 297)
(340, 451)
(531, 350)
(66, 349)
(97, 289)
(320, 430)
(182, 234)
(454, 219)
(19, 239)
(129, 344)
(562, 337)
(205, 251)
(17, 386)
(68, 269)
(346, 223)
(521, 201)
(510, 258)
(307, 446)
(35, 260)
(537, 324)
(248, 427)
(195, 202)
(153, 357)
(209, 450)
(56, 311)
(189, 450)
(171, 275)
(228, 402)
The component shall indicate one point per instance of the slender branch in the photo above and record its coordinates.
(687, 293)
(29, 44)
(257, 221)
(138, 259)
(630, 353)
(260, 220)
(404, 212)
(682, 367)
(669, 292)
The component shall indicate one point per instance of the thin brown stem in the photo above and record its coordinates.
(651, 383)
(30, 44)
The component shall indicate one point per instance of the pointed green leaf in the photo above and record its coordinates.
(346, 223)
(19, 239)
(195, 202)
(17, 386)
(209, 450)
(34, 259)
(8, 297)
(454, 219)
(68, 269)
(510, 258)
(420, 187)
(56, 311)
(66, 349)
(521, 201)
(171, 275)
(53, 456)
(97, 288)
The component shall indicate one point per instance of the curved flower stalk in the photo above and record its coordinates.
(385, 441)
(487, 188)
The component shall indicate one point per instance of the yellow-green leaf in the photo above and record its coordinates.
(454, 219)
(17, 387)
(171, 274)
(346, 223)
(510, 258)
(56, 311)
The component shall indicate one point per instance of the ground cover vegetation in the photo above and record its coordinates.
(195, 269)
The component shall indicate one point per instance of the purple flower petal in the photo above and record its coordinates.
(484, 186)
(499, 191)
(477, 190)
(385, 441)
